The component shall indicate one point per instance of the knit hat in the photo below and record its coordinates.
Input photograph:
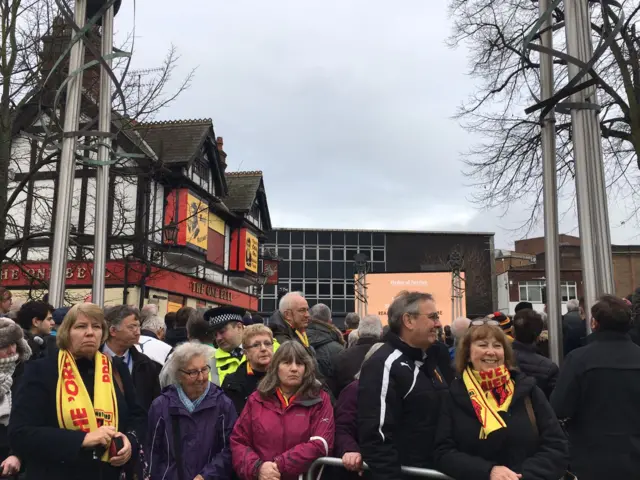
(10, 333)
(524, 305)
(59, 314)
(505, 323)
(218, 317)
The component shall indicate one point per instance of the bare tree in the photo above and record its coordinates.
(505, 166)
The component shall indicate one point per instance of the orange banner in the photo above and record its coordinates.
(382, 288)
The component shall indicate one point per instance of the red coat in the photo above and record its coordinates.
(293, 438)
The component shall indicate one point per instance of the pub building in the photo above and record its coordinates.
(182, 230)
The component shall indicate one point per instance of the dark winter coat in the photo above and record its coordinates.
(204, 436)
(443, 360)
(176, 336)
(461, 454)
(574, 330)
(535, 365)
(53, 453)
(327, 341)
(597, 394)
(146, 378)
(399, 397)
(346, 415)
(239, 385)
(284, 332)
(349, 361)
(293, 438)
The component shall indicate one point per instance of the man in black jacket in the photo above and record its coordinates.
(528, 325)
(400, 391)
(124, 334)
(597, 396)
(36, 319)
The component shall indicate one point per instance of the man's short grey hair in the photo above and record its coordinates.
(153, 323)
(460, 326)
(287, 301)
(321, 312)
(573, 305)
(179, 359)
(115, 315)
(370, 326)
(374, 348)
(352, 320)
(408, 302)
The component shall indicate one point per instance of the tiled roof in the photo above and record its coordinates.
(175, 141)
(243, 187)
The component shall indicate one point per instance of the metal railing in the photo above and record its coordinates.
(412, 471)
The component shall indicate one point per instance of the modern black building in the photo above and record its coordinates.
(320, 263)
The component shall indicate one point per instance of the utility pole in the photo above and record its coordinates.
(550, 193)
(67, 164)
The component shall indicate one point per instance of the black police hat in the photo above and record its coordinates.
(218, 317)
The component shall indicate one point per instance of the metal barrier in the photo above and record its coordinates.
(412, 471)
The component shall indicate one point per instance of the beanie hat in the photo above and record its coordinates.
(220, 316)
(59, 314)
(505, 323)
(10, 333)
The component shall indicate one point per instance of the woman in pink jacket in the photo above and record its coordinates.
(287, 423)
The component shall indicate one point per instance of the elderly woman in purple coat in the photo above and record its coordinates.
(191, 421)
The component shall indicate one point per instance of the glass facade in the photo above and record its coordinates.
(320, 264)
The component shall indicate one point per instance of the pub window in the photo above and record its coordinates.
(283, 252)
(311, 253)
(324, 270)
(324, 254)
(337, 269)
(531, 291)
(284, 269)
(296, 254)
(338, 289)
(297, 270)
(338, 253)
(364, 239)
(284, 238)
(337, 238)
(311, 288)
(350, 255)
(311, 269)
(350, 290)
(297, 238)
(297, 287)
(378, 255)
(310, 238)
(324, 238)
(352, 238)
(378, 239)
(325, 289)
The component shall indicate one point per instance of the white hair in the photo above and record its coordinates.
(153, 323)
(460, 326)
(179, 359)
(321, 312)
(573, 305)
(352, 338)
(287, 301)
(370, 326)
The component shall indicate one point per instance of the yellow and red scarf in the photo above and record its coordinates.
(302, 335)
(73, 403)
(490, 393)
(283, 399)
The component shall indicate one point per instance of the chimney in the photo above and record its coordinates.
(53, 46)
(223, 155)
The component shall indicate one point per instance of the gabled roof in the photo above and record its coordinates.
(243, 188)
(176, 141)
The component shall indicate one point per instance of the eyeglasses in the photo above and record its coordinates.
(432, 316)
(484, 321)
(193, 374)
(267, 344)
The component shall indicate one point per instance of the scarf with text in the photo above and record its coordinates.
(490, 393)
(73, 403)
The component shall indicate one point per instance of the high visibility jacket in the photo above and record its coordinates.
(223, 363)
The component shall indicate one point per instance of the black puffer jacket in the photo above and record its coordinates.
(327, 341)
(461, 454)
(535, 365)
(574, 330)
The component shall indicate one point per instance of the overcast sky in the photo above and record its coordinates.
(345, 106)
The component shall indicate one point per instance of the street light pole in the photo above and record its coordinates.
(102, 170)
(550, 192)
(67, 165)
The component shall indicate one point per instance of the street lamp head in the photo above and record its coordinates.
(171, 233)
(94, 6)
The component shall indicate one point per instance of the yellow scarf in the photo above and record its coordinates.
(490, 392)
(73, 403)
(302, 335)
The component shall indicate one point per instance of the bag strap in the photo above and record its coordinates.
(177, 445)
(532, 415)
(117, 378)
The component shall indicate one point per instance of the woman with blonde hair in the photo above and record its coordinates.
(495, 423)
(287, 423)
(75, 414)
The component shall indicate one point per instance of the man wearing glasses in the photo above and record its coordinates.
(124, 334)
(400, 390)
(291, 320)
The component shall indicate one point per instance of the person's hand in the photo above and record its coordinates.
(10, 466)
(99, 438)
(268, 471)
(124, 454)
(503, 473)
(352, 461)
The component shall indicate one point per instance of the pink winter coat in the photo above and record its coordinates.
(293, 438)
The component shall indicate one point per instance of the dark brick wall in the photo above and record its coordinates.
(424, 252)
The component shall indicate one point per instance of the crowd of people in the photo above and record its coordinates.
(120, 393)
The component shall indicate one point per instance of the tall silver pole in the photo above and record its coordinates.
(102, 173)
(597, 270)
(550, 191)
(67, 172)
